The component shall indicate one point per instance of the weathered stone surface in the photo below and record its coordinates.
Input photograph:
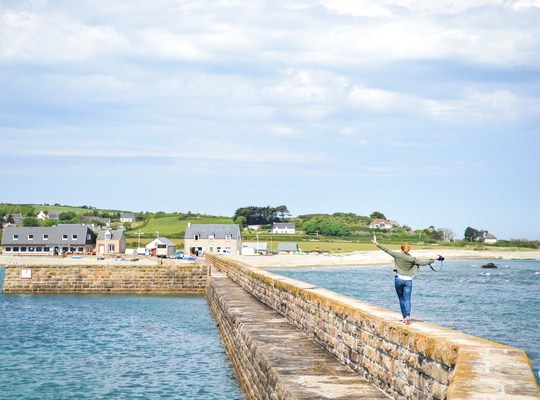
(163, 279)
(274, 359)
(418, 361)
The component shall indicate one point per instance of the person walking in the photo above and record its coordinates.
(406, 266)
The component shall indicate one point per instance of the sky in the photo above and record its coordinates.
(428, 112)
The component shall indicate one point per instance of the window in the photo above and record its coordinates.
(23, 249)
(73, 237)
(196, 237)
(89, 237)
(72, 249)
(45, 237)
(16, 248)
(30, 237)
(211, 236)
(111, 248)
(46, 249)
(32, 249)
(39, 248)
(8, 249)
(15, 237)
(228, 237)
(64, 237)
(80, 249)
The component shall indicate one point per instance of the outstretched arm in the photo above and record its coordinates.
(376, 243)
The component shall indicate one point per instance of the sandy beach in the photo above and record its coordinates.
(378, 257)
(359, 258)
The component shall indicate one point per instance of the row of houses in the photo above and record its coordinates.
(81, 239)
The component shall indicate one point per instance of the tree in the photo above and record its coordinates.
(282, 212)
(474, 235)
(260, 215)
(48, 222)
(67, 215)
(448, 234)
(241, 221)
(30, 221)
(377, 215)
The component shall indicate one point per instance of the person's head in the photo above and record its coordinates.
(405, 248)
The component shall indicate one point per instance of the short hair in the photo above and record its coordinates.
(405, 248)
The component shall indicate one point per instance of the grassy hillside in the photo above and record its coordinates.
(170, 226)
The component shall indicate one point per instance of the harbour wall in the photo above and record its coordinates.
(120, 279)
(418, 361)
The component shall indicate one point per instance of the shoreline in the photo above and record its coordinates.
(353, 259)
(377, 258)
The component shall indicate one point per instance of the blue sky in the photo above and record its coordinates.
(426, 111)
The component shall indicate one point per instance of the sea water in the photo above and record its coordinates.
(502, 304)
(111, 347)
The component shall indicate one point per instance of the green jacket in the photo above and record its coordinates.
(405, 263)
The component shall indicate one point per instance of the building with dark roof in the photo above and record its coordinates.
(212, 238)
(283, 227)
(111, 241)
(63, 238)
(288, 248)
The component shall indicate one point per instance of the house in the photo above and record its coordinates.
(96, 221)
(111, 241)
(288, 248)
(490, 239)
(380, 223)
(283, 227)
(17, 219)
(54, 215)
(212, 238)
(253, 248)
(127, 217)
(162, 247)
(41, 216)
(54, 240)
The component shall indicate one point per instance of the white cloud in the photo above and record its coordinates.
(374, 98)
(54, 37)
(475, 106)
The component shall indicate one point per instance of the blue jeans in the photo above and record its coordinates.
(403, 290)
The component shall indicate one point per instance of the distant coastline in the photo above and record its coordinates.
(377, 257)
(357, 258)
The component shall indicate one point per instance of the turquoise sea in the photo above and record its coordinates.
(502, 304)
(111, 347)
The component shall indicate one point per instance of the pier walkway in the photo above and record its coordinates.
(289, 362)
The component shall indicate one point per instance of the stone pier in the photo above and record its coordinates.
(418, 361)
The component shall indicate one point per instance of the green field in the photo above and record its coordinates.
(172, 227)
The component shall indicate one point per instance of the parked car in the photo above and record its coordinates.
(180, 255)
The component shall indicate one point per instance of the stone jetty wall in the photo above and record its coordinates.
(417, 361)
(128, 278)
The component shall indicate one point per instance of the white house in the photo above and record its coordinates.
(253, 248)
(380, 223)
(127, 217)
(283, 227)
(41, 216)
(288, 248)
(490, 239)
(162, 247)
